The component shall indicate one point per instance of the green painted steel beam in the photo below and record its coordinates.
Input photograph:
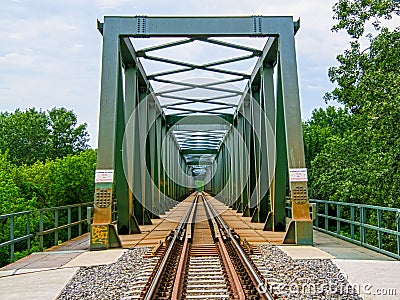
(269, 56)
(209, 110)
(129, 59)
(199, 67)
(201, 143)
(255, 52)
(194, 66)
(222, 119)
(200, 27)
(198, 163)
(205, 151)
(164, 46)
(202, 101)
(213, 86)
(185, 86)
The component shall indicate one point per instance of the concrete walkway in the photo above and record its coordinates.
(375, 275)
(43, 275)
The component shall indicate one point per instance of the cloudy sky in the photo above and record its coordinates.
(50, 50)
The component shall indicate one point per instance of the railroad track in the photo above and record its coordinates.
(204, 259)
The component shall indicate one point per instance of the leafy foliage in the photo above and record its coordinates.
(63, 181)
(360, 163)
(369, 81)
(352, 15)
(32, 135)
(323, 125)
(43, 163)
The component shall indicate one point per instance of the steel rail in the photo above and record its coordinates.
(229, 267)
(242, 255)
(161, 268)
(177, 287)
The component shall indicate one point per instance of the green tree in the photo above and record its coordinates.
(62, 181)
(323, 124)
(31, 135)
(362, 165)
(352, 15)
(9, 191)
(25, 136)
(66, 136)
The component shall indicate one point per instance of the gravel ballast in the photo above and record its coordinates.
(303, 278)
(113, 281)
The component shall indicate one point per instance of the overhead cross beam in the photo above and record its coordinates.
(199, 27)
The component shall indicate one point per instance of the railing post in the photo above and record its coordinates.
(41, 231)
(80, 219)
(88, 216)
(338, 219)
(352, 222)
(398, 232)
(316, 214)
(69, 223)
(55, 226)
(379, 215)
(12, 248)
(363, 218)
(326, 216)
(28, 232)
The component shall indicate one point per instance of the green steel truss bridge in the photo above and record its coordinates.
(199, 103)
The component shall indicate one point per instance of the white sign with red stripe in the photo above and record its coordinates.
(104, 176)
(298, 175)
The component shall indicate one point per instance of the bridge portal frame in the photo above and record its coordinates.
(281, 103)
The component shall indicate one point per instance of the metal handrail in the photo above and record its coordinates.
(12, 241)
(28, 236)
(55, 210)
(362, 223)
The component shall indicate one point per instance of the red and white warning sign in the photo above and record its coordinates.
(104, 176)
(298, 175)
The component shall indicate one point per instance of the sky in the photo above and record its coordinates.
(50, 50)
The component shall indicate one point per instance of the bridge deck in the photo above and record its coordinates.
(43, 275)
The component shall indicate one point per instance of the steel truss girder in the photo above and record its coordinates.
(118, 53)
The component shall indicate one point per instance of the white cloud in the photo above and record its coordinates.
(50, 54)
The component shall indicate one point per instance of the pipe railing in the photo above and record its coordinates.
(12, 239)
(373, 227)
(75, 216)
(68, 225)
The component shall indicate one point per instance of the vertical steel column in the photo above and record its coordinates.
(164, 179)
(300, 229)
(247, 158)
(255, 198)
(103, 232)
(158, 179)
(145, 137)
(268, 150)
(152, 158)
(127, 223)
(139, 162)
(230, 167)
(281, 169)
(236, 165)
(260, 148)
(241, 156)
